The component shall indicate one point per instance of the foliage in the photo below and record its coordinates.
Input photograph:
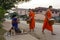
(11, 14)
(2, 31)
(8, 4)
(2, 12)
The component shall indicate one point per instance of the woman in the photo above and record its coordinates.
(32, 20)
(15, 24)
(46, 25)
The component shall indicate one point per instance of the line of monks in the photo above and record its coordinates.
(46, 25)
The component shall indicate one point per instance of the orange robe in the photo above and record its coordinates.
(46, 24)
(32, 21)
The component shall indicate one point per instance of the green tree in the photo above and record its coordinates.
(7, 4)
(2, 12)
(11, 14)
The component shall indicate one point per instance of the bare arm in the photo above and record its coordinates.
(30, 18)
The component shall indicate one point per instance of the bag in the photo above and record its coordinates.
(28, 21)
(51, 21)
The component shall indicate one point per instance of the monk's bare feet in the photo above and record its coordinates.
(33, 30)
(53, 34)
(29, 31)
(43, 32)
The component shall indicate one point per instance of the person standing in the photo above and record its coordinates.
(32, 20)
(15, 22)
(46, 25)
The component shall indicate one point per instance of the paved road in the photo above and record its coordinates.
(37, 34)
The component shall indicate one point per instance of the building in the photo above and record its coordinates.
(39, 11)
(21, 11)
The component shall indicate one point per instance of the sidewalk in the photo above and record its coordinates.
(37, 34)
(7, 26)
(47, 35)
(21, 37)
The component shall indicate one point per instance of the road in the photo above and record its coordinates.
(36, 35)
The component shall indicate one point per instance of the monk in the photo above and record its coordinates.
(32, 20)
(46, 25)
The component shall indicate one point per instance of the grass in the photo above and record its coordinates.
(2, 31)
(2, 37)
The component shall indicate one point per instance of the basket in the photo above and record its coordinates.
(51, 21)
(28, 22)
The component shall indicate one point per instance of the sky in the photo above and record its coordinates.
(39, 3)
